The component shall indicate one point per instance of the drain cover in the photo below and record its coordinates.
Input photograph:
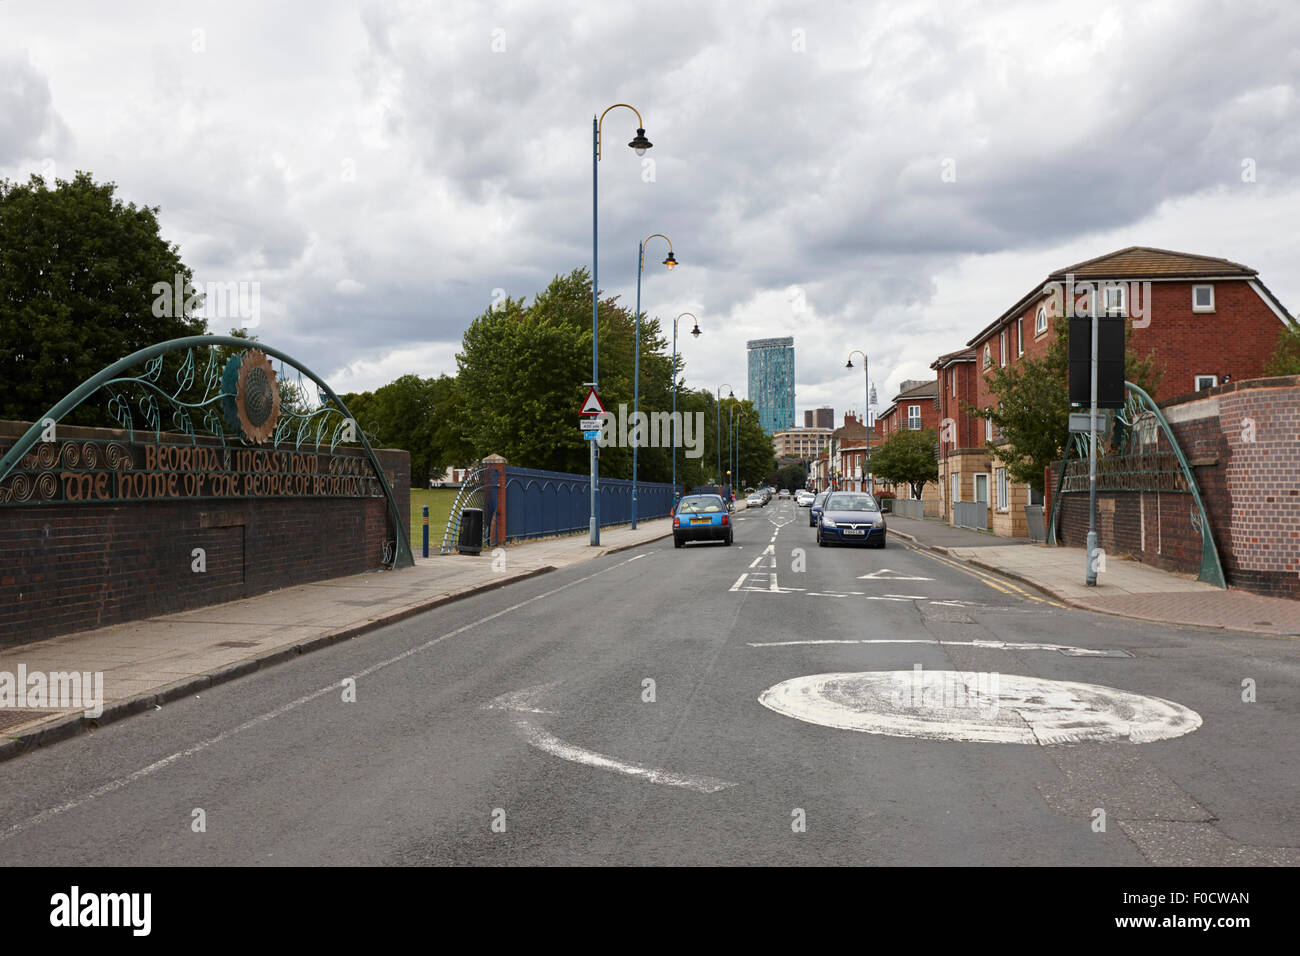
(236, 644)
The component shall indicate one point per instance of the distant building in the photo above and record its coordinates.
(800, 443)
(823, 417)
(771, 382)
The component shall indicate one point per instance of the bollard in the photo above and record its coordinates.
(426, 531)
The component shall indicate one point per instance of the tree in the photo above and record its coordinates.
(1286, 357)
(907, 457)
(789, 475)
(77, 276)
(1032, 417)
(521, 374)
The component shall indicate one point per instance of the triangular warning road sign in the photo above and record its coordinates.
(593, 405)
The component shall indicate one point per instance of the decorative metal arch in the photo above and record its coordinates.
(1133, 461)
(239, 401)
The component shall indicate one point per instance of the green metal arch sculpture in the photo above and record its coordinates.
(1131, 424)
(217, 405)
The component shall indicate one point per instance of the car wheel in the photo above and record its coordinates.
(821, 542)
(728, 541)
(677, 542)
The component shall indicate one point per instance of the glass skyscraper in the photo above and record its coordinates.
(771, 381)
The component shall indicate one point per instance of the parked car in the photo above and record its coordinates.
(815, 509)
(851, 517)
(755, 500)
(701, 518)
(803, 498)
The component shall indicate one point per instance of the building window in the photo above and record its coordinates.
(956, 487)
(1202, 298)
(1020, 335)
(1114, 300)
(982, 488)
(988, 355)
(914, 417)
(1002, 349)
(1040, 323)
(953, 373)
(988, 429)
(1004, 492)
(1206, 381)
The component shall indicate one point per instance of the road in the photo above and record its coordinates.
(610, 713)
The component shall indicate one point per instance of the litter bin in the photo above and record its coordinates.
(471, 531)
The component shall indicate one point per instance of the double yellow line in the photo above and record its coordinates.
(998, 584)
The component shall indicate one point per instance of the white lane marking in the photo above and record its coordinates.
(120, 782)
(989, 645)
(872, 597)
(525, 700)
(769, 551)
(739, 581)
(637, 558)
(884, 574)
(978, 708)
(544, 740)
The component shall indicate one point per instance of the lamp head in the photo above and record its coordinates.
(849, 364)
(670, 262)
(640, 143)
(696, 331)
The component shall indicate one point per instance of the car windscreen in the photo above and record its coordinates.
(851, 503)
(820, 499)
(699, 506)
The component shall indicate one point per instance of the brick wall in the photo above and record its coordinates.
(73, 566)
(1243, 442)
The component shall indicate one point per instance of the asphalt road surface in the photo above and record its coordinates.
(610, 713)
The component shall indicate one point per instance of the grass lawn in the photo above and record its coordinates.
(439, 501)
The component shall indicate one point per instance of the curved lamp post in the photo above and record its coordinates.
(866, 417)
(734, 439)
(672, 422)
(640, 144)
(670, 262)
(718, 417)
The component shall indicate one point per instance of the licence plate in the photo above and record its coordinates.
(701, 521)
(854, 531)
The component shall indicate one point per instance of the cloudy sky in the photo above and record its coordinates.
(887, 177)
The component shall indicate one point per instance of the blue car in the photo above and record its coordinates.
(815, 509)
(851, 517)
(701, 518)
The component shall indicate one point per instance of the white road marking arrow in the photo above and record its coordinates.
(884, 574)
(524, 701)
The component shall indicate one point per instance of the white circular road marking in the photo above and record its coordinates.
(977, 707)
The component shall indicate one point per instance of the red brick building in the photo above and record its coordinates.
(1206, 320)
(916, 407)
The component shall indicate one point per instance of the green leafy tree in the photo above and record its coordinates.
(1032, 418)
(1286, 357)
(420, 415)
(907, 457)
(77, 276)
(792, 475)
(521, 372)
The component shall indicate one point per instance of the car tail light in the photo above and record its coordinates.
(724, 519)
(677, 522)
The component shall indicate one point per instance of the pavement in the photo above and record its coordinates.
(1125, 587)
(671, 706)
(149, 662)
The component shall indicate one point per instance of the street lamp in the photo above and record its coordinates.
(733, 439)
(672, 422)
(718, 438)
(640, 144)
(866, 416)
(636, 374)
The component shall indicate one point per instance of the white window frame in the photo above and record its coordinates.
(956, 487)
(1196, 382)
(1020, 336)
(976, 486)
(953, 373)
(1002, 348)
(988, 354)
(1202, 308)
(914, 418)
(1040, 322)
(1115, 298)
(988, 429)
(1003, 490)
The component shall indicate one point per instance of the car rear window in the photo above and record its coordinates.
(700, 506)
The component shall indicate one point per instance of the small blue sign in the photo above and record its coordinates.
(591, 436)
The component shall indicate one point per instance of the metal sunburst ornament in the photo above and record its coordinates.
(252, 397)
